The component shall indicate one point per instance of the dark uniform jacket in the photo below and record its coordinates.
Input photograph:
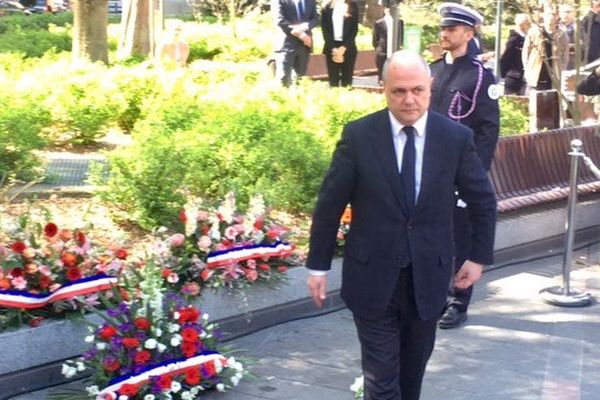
(456, 95)
(511, 62)
(590, 25)
(589, 86)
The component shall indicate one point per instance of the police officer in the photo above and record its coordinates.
(464, 90)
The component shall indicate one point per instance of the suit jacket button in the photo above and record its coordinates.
(410, 225)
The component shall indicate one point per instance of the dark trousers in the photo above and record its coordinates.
(396, 346)
(460, 298)
(290, 60)
(514, 86)
(340, 74)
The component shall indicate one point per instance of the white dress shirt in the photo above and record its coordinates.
(399, 141)
(337, 18)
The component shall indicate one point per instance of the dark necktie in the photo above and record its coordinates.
(300, 10)
(408, 167)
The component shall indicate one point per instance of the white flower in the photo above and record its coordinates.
(175, 341)
(161, 348)
(235, 380)
(175, 386)
(220, 387)
(202, 335)
(173, 328)
(358, 384)
(186, 395)
(80, 366)
(89, 339)
(123, 397)
(205, 316)
(101, 346)
(150, 344)
(157, 332)
(239, 375)
(92, 390)
(218, 365)
(176, 315)
(196, 389)
(68, 371)
(149, 397)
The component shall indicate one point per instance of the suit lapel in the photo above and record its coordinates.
(386, 153)
(433, 153)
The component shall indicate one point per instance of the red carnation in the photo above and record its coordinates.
(264, 267)
(18, 247)
(16, 272)
(107, 332)
(80, 237)
(111, 364)
(259, 223)
(131, 343)
(50, 230)
(189, 349)
(165, 273)
(182, 216)
(74, 274)
(188, 314)
(128, 389)
(45, 282)
(210, 369)
(142, 357)
(282, 268)
(164, 382)
(189, 335)
(121, 254)
(192, 376)
(273, 234)
(142, 323)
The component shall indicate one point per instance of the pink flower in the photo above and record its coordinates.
(54, 287)
(251, 264)
(251, 274)
(202, 216)
(173, 278)
(101, 268)
(204, 243)
(239, 228)
(45, 270)
(230, 232)
(19, 283)
(177, 240)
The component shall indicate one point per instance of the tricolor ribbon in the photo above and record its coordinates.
(169, 368)
(80, 287)
(242, 253)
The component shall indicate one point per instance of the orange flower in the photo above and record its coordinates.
(31, 268)
(347, 216)
(65, 235)
(69, 259)
(4, 284)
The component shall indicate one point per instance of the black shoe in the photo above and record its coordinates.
(452, 318)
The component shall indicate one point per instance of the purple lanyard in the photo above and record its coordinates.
(454, 111)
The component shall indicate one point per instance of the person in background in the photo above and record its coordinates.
(591, 85)
(464, 90)
(511, 62)
(339, 24)
(566, 15)
(294, 20)
(590, 26)
(545, 53)
(399, 167)
(380, 40)
(175, 50)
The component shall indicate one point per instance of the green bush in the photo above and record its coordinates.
(35, 21)
(514, 117)
(20, 124)
(34, 43)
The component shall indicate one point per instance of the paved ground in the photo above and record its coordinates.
(514, 347)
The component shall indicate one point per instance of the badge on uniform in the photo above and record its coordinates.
(494, 92)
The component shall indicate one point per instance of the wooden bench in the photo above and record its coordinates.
(533, 169)
(365, 65)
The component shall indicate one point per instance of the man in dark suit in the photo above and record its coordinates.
(511, 61)
(295, 20)
(464, 90)
(399, 168)
(380, 39)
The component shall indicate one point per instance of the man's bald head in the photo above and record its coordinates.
(405, 58)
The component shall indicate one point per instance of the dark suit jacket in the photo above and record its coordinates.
(590, 86)
(285, 14)
(349, 31)
(364, 172)
(379, 39)
(511, 62)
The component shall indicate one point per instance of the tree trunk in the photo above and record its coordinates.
(90, 19)
(141, 25)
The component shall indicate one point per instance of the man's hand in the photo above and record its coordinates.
(468, 274)
(317, 286)
(307, 40)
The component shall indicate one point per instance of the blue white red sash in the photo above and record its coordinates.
(243, 253)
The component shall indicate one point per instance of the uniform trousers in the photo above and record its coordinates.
(395, 346)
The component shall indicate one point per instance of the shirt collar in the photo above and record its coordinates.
(419, 125)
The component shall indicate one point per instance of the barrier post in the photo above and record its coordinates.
(563, 295)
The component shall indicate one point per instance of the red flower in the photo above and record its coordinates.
(206, 274)
(142, 357)
(189, 349)
(264, 267)
(50, 230)
(189, 335)
(80, 238)
(188, 314)
(272, 234)
(164, 382)
(129, 390)
(259, 223)
(182, 216)
(18, 247)
(65, 235)
(16, 272)
(121, 254)
(107, 332)
(111, 364)
(142, 323)
(192, 376)
(282, 268)
(45, 282)
(166, 272)
(251, 274)
(69, 259)
(37, 321)
(74, 274)
(131, 343)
